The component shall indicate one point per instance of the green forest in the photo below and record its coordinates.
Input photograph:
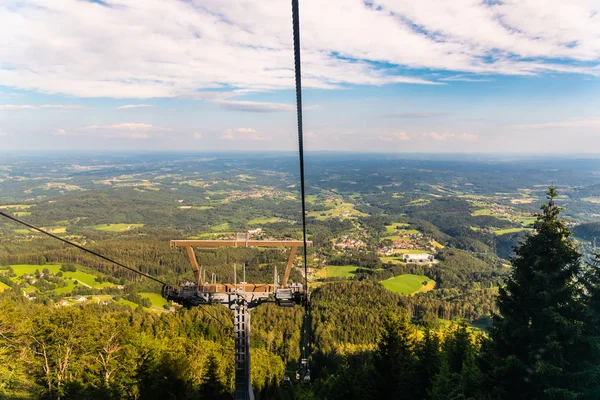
(368, 342)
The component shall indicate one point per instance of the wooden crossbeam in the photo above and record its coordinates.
(194, 262)
(189, 244)
(238, 243)
(288, 267)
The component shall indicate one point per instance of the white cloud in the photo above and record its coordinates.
(242, 134)
(402, 136)
(436, 136)
(63, 106)
(60, 132)
(3, 133)
(573, 123)
(255, 106)
(197, 135)
(416, 115)
(12, 107)
(127, 130)
(442, 137)
(131, 106)
(130, 126)
(463, 78)
(87, 49)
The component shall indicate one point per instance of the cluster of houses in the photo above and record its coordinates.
(346, 242)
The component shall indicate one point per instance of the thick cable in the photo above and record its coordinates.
(296, 25)
(80, 247)
(298, 79)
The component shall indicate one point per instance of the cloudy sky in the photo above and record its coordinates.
(378, 75)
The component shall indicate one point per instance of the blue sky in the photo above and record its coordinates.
(383, 75)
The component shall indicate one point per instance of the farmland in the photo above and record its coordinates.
(409, 284)
(511, 230)
(156, 299)
(116, 227)
(337, 271)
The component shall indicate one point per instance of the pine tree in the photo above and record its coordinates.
(395, 359)
(428, 362)
(212, 387)
(459, 377)
(589, 380)
(536, 339)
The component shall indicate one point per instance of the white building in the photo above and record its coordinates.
(423, 258)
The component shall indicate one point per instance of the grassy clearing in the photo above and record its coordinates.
(409, 284)
(128, 303)
(392, 260)
(67, 289)
(116, 227)
(418, 202)
(511, 230)
(88, 279)
(526, 200)
(23, 231)
(213, 235)
(412, 251)
(156, 299)
(22, 269)
(437, 245)
(198, 208)
(526, 221)
(3, 287)
(595, 200)
(262, 221)
(16, 207)
(339, 210)
(101, 297)
(21, 213)
(393, 227)
(337, 271)
(221, 227)
(483, 211)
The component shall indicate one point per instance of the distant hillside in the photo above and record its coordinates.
(588, 231)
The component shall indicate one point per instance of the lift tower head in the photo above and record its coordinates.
(241, 298)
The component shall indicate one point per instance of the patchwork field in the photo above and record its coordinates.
(412, 251)
(116, 227)
(156, 299)
(3, 287)
(16, 207)
(339, 210)
(262, 221)
(128, 303)
(22, 269)
(83, 278)
(337, 271)
(409, 284)
(392, 228)
(511, 230)
(392, 260)
(198, 208)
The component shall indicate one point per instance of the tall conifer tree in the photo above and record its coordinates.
(537, 337)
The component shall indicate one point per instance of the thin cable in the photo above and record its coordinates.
(296, 24)
(80, 247)
(102, 257)
(203, 309)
